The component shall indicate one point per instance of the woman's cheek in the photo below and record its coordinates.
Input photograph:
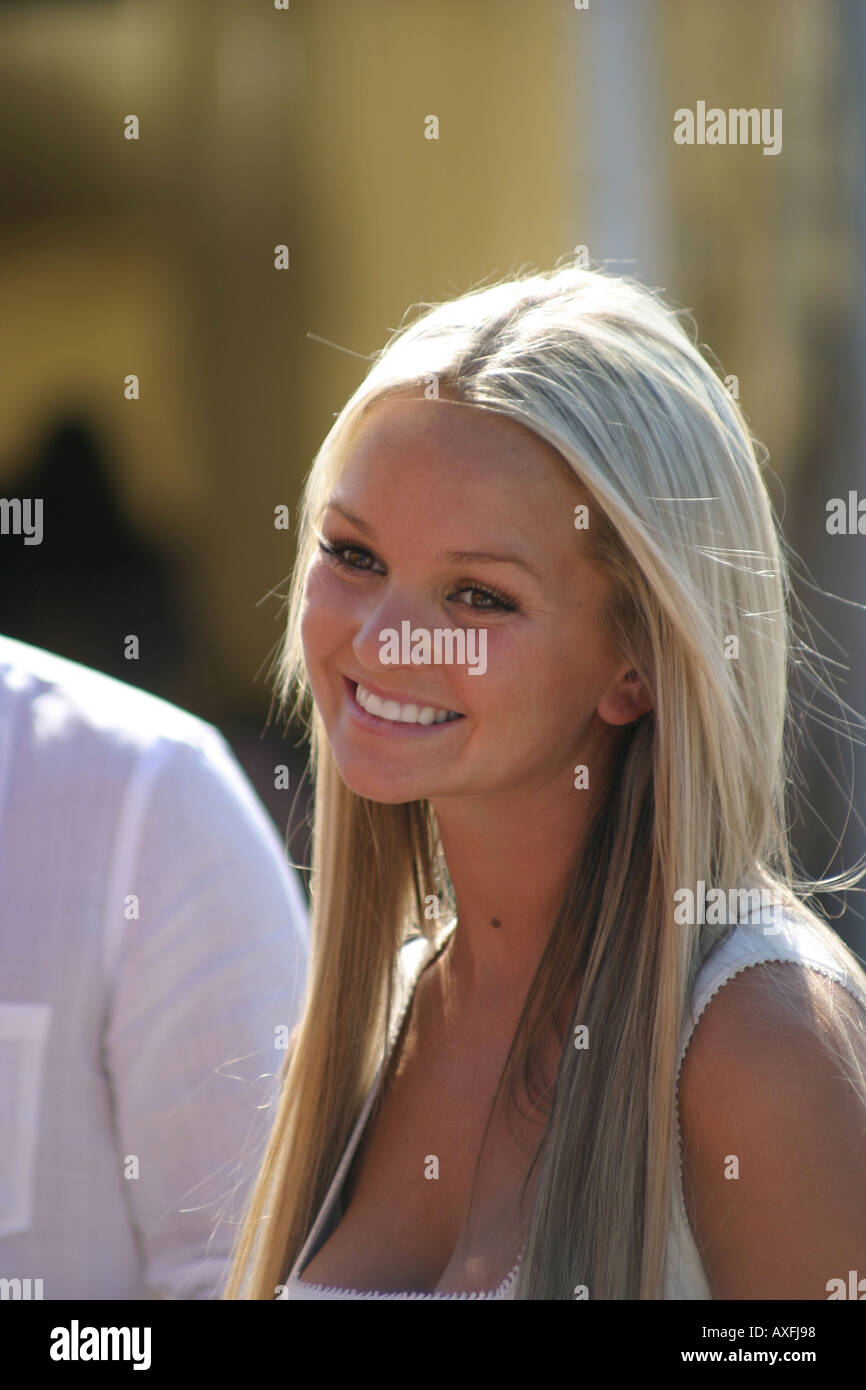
(328, 625)
(314, 619)
(324, 600)
(489, 679)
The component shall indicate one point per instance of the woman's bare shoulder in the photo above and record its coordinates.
(773, 1127)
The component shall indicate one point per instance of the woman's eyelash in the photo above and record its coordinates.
(504, 600)
(334, 549)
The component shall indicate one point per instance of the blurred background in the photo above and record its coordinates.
(306, 125)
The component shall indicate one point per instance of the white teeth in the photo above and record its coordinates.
(401, 714)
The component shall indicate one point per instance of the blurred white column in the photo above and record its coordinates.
(623, 135)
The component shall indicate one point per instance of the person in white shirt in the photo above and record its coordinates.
(153, 959)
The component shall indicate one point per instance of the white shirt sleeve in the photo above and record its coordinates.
(206, 943)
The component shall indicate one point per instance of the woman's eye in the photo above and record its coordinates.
(492, 599)
(354, 557)
(341, 551)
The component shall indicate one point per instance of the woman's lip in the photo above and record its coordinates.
(390, 727)
(395, 695)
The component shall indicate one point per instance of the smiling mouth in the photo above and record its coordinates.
(397, 712)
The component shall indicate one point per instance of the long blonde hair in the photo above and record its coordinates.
(682, 528)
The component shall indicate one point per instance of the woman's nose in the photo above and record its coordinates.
(387, 617)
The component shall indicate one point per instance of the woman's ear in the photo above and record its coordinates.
(625, 700)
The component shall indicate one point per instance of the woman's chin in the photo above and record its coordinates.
(373, 785)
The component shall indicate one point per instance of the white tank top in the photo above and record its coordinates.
(749, 943)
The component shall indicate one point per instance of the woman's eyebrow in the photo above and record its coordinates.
(471, 557)
(454, 557)
(350, 516)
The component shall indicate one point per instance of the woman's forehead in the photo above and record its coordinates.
(435, 431)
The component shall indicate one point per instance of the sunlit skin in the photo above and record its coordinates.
(429, 477)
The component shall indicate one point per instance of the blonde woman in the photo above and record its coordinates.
(571, 1030)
